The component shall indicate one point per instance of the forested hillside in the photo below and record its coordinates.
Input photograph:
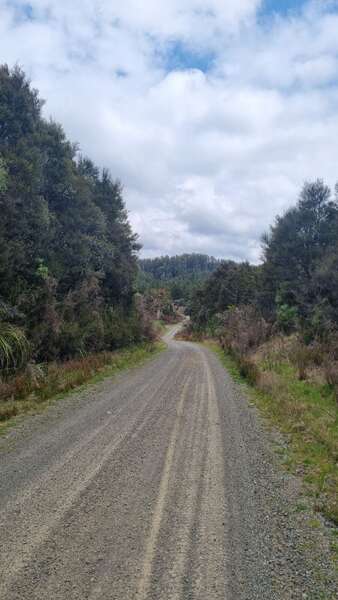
(67, 253)
(179, 274)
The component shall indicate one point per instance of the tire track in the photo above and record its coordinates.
(145, 579)
(57, 491)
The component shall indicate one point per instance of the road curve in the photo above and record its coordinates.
(155, 485)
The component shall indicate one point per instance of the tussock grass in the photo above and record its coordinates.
(305, 411)
(159, 327)
(38, 385)
(14, 347)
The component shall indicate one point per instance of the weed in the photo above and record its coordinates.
(314, 523)
(248, 369)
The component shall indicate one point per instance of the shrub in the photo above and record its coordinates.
(249, 370)
(8, 410)
(274, 351)
(302, 358)
(331, 375)
(190, 333)
(29, 389)
(269, 382)
(287, 318)
(14, 346)
(242, 330)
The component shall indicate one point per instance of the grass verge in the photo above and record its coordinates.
(33, 390)
(307, 415)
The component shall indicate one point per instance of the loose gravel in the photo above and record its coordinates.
(162, 483)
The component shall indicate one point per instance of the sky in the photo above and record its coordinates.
(212, 113)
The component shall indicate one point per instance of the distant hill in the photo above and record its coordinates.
(179, 274)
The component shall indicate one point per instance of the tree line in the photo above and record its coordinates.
(180, 275)
(68, 256)
(296, 286)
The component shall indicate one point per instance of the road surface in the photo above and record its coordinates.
(158, 484)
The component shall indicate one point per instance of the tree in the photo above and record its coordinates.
(181, 275)
(68, 255)
(232, 284)
(295, 245)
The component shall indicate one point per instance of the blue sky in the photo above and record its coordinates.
(211, 113)
(282, 7)
(177, 56)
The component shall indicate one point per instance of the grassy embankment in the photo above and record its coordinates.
(34, 389)
(306, 412)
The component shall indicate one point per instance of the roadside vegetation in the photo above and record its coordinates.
(68, 256)
(305, 411)
(277, 327)
(180, 275)
(39, 385)
(69, 308)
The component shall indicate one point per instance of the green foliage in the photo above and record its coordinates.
(232, 284)
(167, 268)
(181, 275)
(286, 317)
(297, 250)
(158, 303)
(67, 252)
(14, 346)
(42, 269)
(296, 287)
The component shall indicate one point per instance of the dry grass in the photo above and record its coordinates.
(303, 409)
(242, 330)
(308, 414)
(38, 384)
(189, 334)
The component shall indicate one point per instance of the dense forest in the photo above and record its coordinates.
(68, 257)
(180, 275)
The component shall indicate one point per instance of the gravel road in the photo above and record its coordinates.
(157, 485)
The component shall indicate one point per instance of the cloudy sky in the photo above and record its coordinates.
(211, 112)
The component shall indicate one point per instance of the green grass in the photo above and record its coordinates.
(308, 414)
(29, 393)
(159, 326)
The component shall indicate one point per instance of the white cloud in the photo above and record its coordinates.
(207, 159)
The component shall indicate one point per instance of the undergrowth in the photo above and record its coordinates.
(38, 385)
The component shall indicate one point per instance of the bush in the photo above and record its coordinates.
(302, 358)
(190, 333)
(29, 389)
(331, 375)
(305, 356)
(14, 347)
(287, 318)
(242, 330)
(249, 370)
